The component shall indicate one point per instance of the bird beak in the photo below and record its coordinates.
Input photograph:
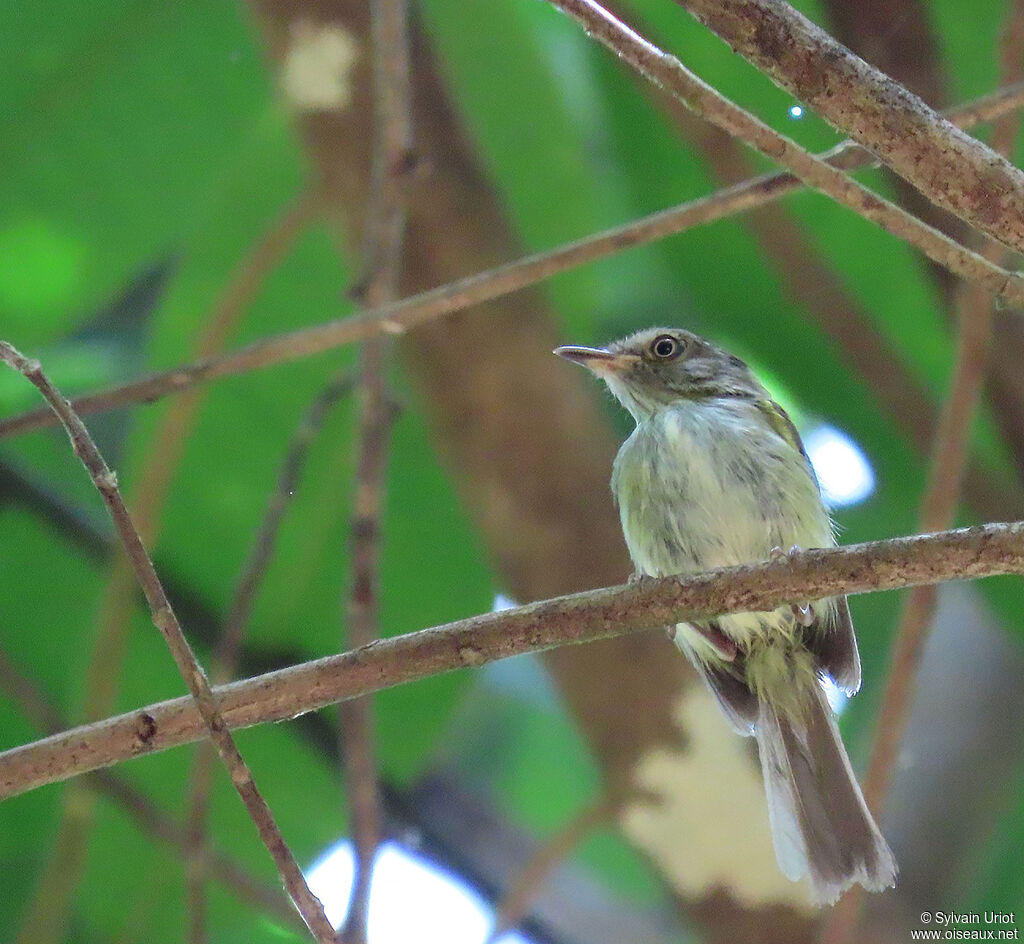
(597, 359)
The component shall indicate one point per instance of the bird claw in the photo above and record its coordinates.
(803, 613)
(724, 645)
(777, 553)
(638, 578)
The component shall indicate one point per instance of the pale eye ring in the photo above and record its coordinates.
(665, 346)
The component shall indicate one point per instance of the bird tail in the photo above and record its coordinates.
(820, 823)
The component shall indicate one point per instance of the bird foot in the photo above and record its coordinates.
(637, 577)
(803, 613)
(724, 646)
(777, 553)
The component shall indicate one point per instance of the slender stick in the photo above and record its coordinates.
(225, 658)
(963, 554)
(950, 450)
(667, 71)
(262, 548)
(949, 456)
(386, 219)
(812, 281)
(167, 624)
(938, 509)
(414, 310)
(950, 168)
(47, 914)
(355, 727)
(146, 815)
(524, 888)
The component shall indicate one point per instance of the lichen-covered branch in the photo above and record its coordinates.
(150, 820)
(167, 624)
(950, 451)
(385, 224)
(671, 74)
(408, 313)
(962, 554)
(949, 167)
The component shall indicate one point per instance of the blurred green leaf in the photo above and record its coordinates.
(137, 133)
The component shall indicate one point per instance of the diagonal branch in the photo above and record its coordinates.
(518, 899)
(965, 553)
(811, 280)
(146, 815)
(226, 655)
(898, 38)
(949, 167)
(410, 312)
(167, 624)
(386, 219)
(47, 916)
(950, 450)
(669, 72)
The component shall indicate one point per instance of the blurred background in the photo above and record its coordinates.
(178, 179)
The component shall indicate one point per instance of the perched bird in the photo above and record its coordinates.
(715, 475)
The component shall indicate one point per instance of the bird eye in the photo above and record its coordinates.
(665, 346)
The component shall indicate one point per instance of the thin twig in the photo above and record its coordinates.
(149, 818)
(949, 167)
(811, 280)
(949, 457)
(355, 727)
(262, 548)
(226, 654)
(167, 624)
(414, 310)
(962, 554)
(46, 915)
(665, 70)
(938, 509)
(386, 219)
(168, 444)
(525, 886)
(950, 451)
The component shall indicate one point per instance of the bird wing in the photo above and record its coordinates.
(834, 644)
(778, 419)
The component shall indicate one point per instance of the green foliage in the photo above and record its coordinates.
(136, 134)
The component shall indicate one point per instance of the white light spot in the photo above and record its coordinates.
(796, 111)
(703, 817)
(411, 899)
(317, 71)
(843, 471)
(837, 698)
(502, 602)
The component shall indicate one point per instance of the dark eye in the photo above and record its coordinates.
(665, 346)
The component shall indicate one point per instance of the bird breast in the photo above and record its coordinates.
(704, 484)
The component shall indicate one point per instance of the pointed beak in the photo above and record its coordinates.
(597, 359)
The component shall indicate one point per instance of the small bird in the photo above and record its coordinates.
(714, 475)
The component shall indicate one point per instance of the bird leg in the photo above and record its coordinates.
(724, 645)
(639, 578)
(803, 613)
